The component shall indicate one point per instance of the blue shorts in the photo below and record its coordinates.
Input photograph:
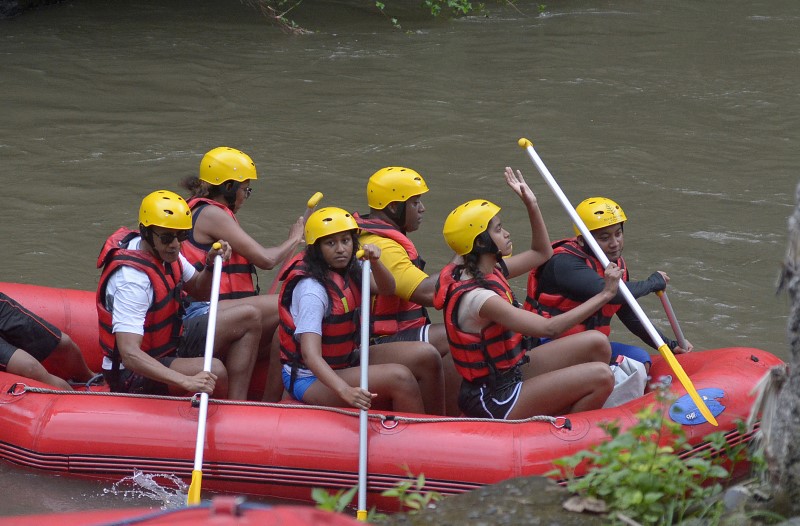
(196, 308)
(631, 351)
(301, 383)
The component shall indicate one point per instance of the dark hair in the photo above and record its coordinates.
(318, 267)
(196, 187)
(200, 188)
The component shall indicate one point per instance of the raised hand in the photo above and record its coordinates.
(518, 184)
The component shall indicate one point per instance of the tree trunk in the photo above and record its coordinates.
(782, 427)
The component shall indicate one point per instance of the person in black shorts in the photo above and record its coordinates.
(27, 341)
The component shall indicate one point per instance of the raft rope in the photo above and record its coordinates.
(387, 421)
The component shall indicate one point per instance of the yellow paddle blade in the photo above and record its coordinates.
(361, 515)
(687, 384)
(194, 488)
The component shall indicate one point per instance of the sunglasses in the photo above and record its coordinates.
(168, 237)
(248, 191)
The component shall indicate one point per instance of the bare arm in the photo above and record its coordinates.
(214, 224)
(311, 346)
(532, 324)
(540, 249)
(138, 361)
(382, 281)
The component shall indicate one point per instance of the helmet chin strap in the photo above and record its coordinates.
(229, 190)
(484, 244)
(147, 235)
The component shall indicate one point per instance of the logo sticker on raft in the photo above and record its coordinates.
(684, 410)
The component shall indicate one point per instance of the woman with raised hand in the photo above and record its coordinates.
(493, 340)
(319, 304)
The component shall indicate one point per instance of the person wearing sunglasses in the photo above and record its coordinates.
(148, 347)
(216, 196)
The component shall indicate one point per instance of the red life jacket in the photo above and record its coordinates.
(237, 272)
(340, 330)
(552, 304)
(162, 324)
(478, 357)
(392, 314)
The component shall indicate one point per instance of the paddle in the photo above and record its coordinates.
(673, 320)
(310, 205)
(363, 422)
(587, 236)
(197, 474)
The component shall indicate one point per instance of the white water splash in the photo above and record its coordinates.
(164, 488)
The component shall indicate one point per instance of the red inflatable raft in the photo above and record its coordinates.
(286, 450)
(222, 511)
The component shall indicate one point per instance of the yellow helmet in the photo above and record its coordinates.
(467, 222)
(393, 183)
(166, 209)
(599, 212)
(226, 164)
(327, 221)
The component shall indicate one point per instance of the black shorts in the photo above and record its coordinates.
(419, 334)
(22, 329)
(191, 345)
(491, 399)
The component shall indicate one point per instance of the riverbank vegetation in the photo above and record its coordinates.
(279, 12)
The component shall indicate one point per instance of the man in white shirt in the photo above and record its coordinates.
(147, 347)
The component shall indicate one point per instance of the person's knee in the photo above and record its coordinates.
(23, 364)
(403, 379)
(602, 376)
(599, 345)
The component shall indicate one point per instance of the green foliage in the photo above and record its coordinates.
(648, 482)
(337, 502)
(410, 493)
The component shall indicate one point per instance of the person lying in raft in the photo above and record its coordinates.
(147, 346)
(27, 341)
(489, 333)
(319, 308)
(224, 184)
(574, 274)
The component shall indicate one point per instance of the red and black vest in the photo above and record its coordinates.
(553, 304)
(237, 272)
(392, 314)
(478, 356)
(162, 324)
(340, 329)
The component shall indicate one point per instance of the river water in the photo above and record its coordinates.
(684, 112)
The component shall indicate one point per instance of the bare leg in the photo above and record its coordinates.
(192, 366)
(236, 340)
(389, 381)
(584, 347)
(577, 388)
(273, 389)
(424, 362)
(68, 360)
(437, 336)
(267, 306)
(23, 364)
